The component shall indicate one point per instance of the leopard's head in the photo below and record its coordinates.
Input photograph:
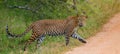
(82, 19)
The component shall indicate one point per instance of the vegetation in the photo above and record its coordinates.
(98, 11)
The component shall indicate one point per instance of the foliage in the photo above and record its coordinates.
(46, 8)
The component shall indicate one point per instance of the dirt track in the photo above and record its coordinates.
(107, 41)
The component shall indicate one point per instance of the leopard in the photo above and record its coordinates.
(53, 27)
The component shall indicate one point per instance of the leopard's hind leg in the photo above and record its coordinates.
(40, 40)
(32, 39)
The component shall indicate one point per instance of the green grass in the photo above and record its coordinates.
(99, 12)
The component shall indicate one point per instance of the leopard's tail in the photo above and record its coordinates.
(10, 35)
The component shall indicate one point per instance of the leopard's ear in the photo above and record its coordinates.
(77, 15)
(84, 14)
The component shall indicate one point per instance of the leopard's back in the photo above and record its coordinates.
(49, 27)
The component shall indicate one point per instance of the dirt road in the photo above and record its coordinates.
(107, 41)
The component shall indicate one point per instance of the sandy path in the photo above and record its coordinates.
(107, 41)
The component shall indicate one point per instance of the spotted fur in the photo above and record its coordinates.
(41, 28)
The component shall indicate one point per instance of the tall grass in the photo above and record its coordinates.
(99, 12)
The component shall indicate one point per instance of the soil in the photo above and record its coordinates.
(107, 41)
